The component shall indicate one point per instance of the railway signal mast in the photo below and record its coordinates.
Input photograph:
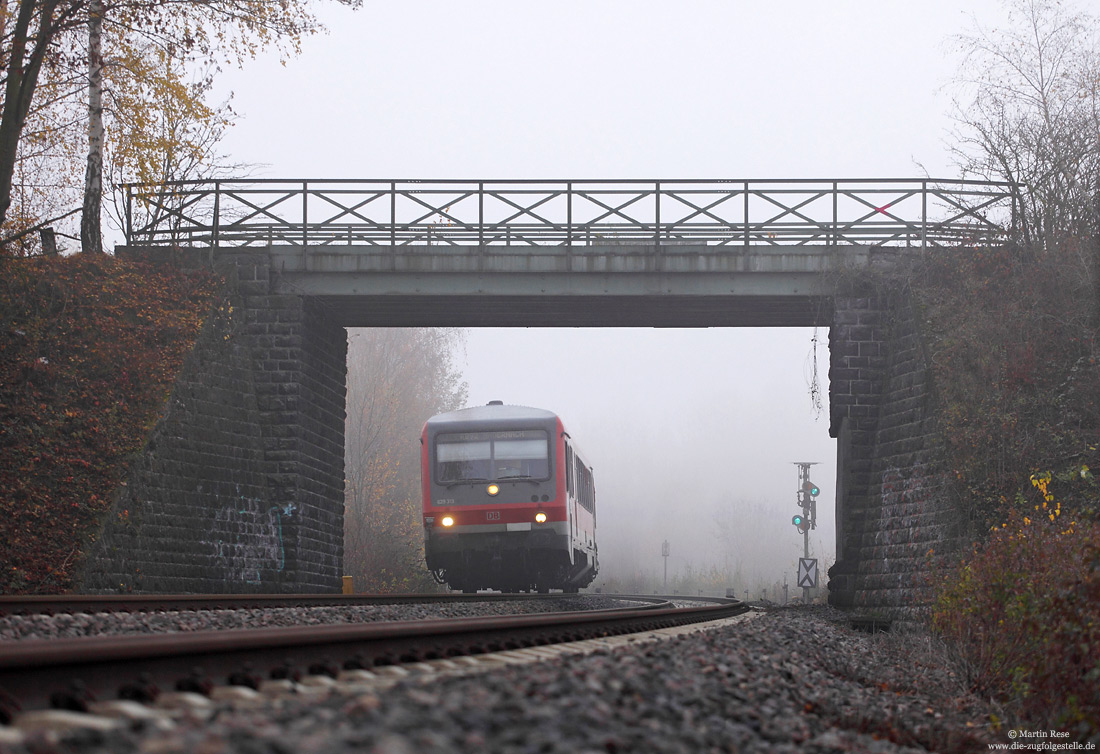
(804, 521)
(664, 554)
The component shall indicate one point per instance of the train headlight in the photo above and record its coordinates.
(447, 521)
(540, 517)
(493, 490)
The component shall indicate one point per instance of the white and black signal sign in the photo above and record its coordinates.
(807, 572)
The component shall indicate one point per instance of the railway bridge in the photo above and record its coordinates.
(308, 258)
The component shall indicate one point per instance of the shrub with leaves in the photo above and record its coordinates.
(89, 348)
(1024, 613)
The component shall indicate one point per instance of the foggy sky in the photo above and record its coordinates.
(685, 428)
(682, 427)
(607, 89)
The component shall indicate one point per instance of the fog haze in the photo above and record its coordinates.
(692, 435)
(608, 89)
(688, 430)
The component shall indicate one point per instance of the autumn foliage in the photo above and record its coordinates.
(397, 379)
(1013, 340)
(1024, 614)
(89, 348)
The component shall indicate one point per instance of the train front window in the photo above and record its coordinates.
(492, 456)
(459, 461)
(520, 459)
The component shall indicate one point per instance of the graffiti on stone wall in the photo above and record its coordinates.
(246, 538)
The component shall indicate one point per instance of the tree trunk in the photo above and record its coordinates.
(20, 88)
(91, 238)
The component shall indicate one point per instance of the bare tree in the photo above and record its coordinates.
(1027, 110)
(397, 378)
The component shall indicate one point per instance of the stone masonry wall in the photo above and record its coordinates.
(240, 485)
(895, 504)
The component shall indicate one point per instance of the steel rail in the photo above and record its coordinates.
(105, 603)
(37, 674)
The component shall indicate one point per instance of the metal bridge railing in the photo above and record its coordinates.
(516, 213)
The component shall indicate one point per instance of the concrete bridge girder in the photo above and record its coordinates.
(641, 285)
(597, 259)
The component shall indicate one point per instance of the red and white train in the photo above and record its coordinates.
(509, 502)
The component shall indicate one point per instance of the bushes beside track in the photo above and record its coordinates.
(89, 349)
(1012, 336)
(1023, 616)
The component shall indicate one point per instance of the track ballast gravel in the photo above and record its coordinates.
(72, 625)
(791, 680)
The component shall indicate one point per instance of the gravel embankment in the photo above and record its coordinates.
(101, 624)
(791, 680)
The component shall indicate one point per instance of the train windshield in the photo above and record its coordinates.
(492, 456)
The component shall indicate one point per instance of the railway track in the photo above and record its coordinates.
(94, 603)
(73, 673)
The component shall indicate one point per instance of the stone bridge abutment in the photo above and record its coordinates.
(240, 488)
(895, 510)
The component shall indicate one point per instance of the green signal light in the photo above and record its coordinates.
(811, 489)
(800, 522)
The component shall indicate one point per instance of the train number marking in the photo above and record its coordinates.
(492, 515)
(445, 501)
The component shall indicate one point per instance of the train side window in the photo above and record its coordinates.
(579, 471)
(584, 484)
(591, 493)
(568, 469)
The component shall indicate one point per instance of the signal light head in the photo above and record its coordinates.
(800, 522)
(810, 488)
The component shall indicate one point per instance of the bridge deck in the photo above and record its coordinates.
(630, 285)
(661, 253)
